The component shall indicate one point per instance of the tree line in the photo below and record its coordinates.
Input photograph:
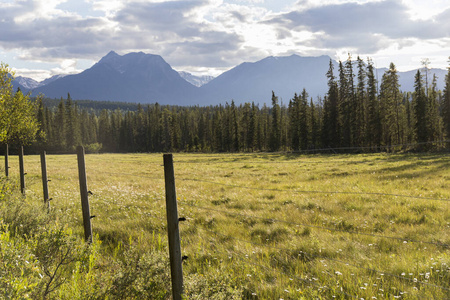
(357, 113)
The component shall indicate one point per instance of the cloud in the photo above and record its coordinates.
(158, 27)
(169, 16)
(366, 27)
(191, 34)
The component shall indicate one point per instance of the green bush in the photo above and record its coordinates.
(93, 148)
(19, 270)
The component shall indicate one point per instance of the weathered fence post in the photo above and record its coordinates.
(44, 179)
(22, 171)
(176, 270)
(84, 195)
(6, 161)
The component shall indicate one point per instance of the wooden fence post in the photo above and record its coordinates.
(84, 195)
(45, 179)
(176, 270)
(6, 161)
(22, 171)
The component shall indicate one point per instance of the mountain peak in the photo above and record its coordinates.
(112, 53)
(111, 56)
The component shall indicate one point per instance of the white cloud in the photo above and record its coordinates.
(219, 34)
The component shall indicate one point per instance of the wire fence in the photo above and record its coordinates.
(401, 239)
(315, 192)
(152, 177)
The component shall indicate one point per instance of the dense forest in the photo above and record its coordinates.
(357, 114)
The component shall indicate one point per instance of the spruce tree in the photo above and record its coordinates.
(234, 127)
(420, 109)
(330, 116)
(275, 134)
(373, 131)
(389, 107)
(434, 120)
(446, 103)
(314, 124)
(59, 127)
(352, 103)
(294, 121)
(251, 133)
(345, 112)
(360, 106)
(304, 121)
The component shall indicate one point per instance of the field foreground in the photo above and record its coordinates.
(269, 226)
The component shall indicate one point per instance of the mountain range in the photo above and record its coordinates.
(147, 78)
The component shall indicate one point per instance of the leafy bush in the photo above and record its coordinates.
(93, 148)
(19, 271)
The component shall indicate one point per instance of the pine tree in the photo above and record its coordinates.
(175, 130)
(314, 124)
(59, 127)
(360, 106)
(251, 133)
(304, 121)
(352, 103)
(420, 109)
(446, 103)
(275, 134)
(390, 99)
(263, 129)
(234, 127)
(70, 126)
(42, 122)
(217, 130)
(104, 131)
(294, 122)
(345, 112)
(373, 131)
(435, 123)
(410, 119)
(201, 131)
(330, 116)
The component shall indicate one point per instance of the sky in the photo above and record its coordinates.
(42, 38)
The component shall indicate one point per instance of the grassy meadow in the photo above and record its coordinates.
(268, 226)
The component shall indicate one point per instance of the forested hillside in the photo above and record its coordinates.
(356, 112)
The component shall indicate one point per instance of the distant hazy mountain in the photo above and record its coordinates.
(147, 78)
(51, 79)
(283, 75)
(27, 83)
(406, 79)
(286, 76)
(134, 77)
(198, 81)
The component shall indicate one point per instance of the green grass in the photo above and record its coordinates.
(271, 226)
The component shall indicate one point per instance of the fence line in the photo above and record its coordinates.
(313, 226)
(315, 192)
(329, 259)
(131, 175)
(299, 162)
(298, 224)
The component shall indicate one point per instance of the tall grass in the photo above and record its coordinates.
(262, 226)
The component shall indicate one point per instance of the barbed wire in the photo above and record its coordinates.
(329, 259)
(299, 162)
(131, 175)
(313, 226)
(314, 192)
(156, 217)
